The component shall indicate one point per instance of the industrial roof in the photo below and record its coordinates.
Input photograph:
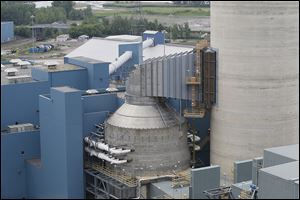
(15, 60)
(89, 60)
(158, 50)
(290, 151)
(8, 70)
(20, 72)
(23, 63)
(98, 49)
(285, 171)
(177, 193)
(66, 89)
(125, 38)
(102, 49)
(150, 32)
(61, 67)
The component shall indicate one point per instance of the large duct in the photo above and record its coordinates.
(149, 128)
(120, 61)
(258, 79)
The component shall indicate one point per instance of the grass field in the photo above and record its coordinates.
(155, 10)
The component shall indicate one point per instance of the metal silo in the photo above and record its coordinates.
(258, 79)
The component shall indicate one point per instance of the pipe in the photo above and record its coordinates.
(147, 43)
(120, 61)
(197, 138)
(150, 179)
(103, 156)
(102, 146)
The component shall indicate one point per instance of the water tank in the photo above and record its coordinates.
(258, 79)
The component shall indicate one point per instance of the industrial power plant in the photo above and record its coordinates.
(134, 117)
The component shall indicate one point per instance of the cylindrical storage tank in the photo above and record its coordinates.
(257, 79)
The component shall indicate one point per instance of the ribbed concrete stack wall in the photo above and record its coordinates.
(258, 79)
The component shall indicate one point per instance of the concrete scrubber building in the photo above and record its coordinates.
(151, 129)
(258, 78)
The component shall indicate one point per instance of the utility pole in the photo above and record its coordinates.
(32, 17)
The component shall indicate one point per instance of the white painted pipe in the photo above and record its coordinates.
(105, 147)
(147, 43)
(197, 138)
(197, 147)
(120, 61)
(105, 157)
(119, 151)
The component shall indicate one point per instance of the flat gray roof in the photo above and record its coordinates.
(177, 193)
(285, 171)
(106, 50)
(125, 38)
(290, 151)
(61, 67)
(66, 89)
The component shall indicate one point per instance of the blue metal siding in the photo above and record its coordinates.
(100, 102)
(14, 97)
(13, 168)
(39, 74)
(61, 144)
(90, 119)
(98, 72)
(7, 31)
(158, 37)
(75, 79)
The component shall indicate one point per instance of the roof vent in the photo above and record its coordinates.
(19, 79)
(20, 127)
(51, 64)
(23, 64)
(11, 71)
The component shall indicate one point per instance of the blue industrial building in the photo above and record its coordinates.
(7, 31)
(46, 161)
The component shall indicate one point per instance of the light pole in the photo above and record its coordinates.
(32, 17)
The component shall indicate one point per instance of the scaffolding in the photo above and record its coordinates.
(182, 179)
(219, 193)
(197, 110)
(102, 182)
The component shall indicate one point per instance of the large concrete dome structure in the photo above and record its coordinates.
(152, 130)
(258, 79)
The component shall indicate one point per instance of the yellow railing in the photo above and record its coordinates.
(123, 178)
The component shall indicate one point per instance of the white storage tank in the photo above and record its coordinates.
(257, 79)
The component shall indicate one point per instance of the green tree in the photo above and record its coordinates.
(50, 15)
(187, 30)
(17, 11)
(175, 32)
(66, 5)
(23, 31)
(88, 11)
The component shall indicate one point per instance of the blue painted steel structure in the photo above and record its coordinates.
(48, 162)
(76, 78)
(16, 148)
(98, 76)
(13, 99)
(7, 31)
(158, 37)
(65, 118)
(137, 58)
